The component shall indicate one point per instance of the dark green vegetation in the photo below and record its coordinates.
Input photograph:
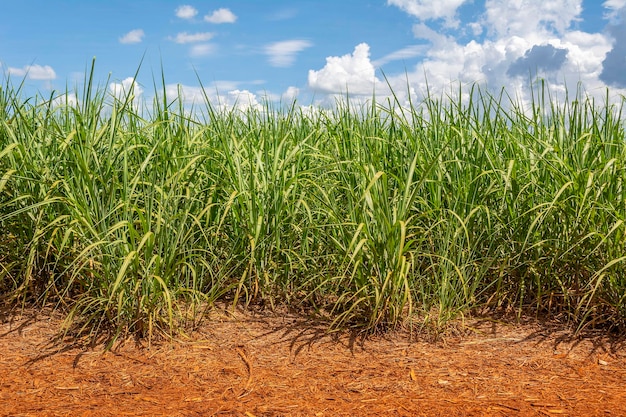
(134, 220)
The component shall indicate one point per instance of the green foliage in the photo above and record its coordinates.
(373, 215)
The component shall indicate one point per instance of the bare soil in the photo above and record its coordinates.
(265, 365)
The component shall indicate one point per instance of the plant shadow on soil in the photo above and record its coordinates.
(301, 331)
(259, 361)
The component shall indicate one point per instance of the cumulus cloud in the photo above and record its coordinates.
(184, 37)
(122, 89)
(290, 94)
(230, 100)
(186, 12)
(518, 38)
(65, 100)
(134, 36)
(429, 9)
(190, 95)
(201, 49)
(283, 54)
(34, 72)
(352, 73)
(221, 16)
(240, 100)
(531, 17)
(540, 57)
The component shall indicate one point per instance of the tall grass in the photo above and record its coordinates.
(134, 221)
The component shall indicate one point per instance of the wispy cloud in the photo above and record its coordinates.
(186, 12)
(614, 6)
(429, 9)
(185, 37)
(202, 49)
(221, 16)
(410, 51)
(283, 14)
(34, 72)
(134, 36)
(283, 54)
(224, 85)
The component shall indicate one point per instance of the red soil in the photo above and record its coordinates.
(245, 365)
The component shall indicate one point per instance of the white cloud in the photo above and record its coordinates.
(265, 96)
(221, 95)
(230, 100)
(283, 14)
(519, 40)
(430, 9)
(516, 34)
(128, 86)
(185, 37)
(65, 100)
(352, 73)
(614, 4)
(614, 8)
(18, 72)
(134, 36)
(201, 49)
(531, 17)
(186, 12)
(290, 94)
(423, 31)
(221, 16)
(34, 72)
(476, 28)
(407, 52)
(283, 54)
(240, 100)
(225, 85)
(586, 52)
(189, 94)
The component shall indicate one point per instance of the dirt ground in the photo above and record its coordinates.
(263, 365)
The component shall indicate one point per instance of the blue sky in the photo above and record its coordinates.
(314, 50)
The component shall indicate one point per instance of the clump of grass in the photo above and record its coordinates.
(128, 220)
